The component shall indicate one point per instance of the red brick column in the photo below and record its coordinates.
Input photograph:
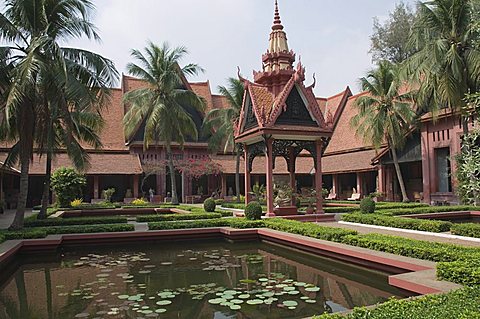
(224, 185)
(425, 144)
(269, 172)
(318, 177)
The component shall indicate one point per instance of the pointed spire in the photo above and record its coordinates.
(277, 22)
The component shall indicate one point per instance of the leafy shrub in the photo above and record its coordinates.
(108, 193)
(67, 185)
(459, 304)
(76, 202)
(174, 217)
(298, 202)
(435, 226)
(467, 229)
(219, 201)
(75, 221)
(468, 168)
(209, 205)
(2, 238)
(390, 205)
(367, 205)
(253, 211)
(139, 202)
(346, 209)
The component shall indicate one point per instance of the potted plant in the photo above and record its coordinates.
(312, 198)
(376, 196)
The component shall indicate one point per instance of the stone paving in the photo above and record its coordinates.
(7, 217)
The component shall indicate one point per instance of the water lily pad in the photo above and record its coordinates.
(216, 301)
(244, 296)
(163, 302)
(123, 296)
(312, 289)
(161, 310)
(236, 301)
(254, 301)
(235, 307)
(290, 303)
(310, 301)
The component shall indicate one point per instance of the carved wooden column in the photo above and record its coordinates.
(136, 179)
(248, 195)
(269, 173)
(291, 170)
(96, 187)
(359, 184)
(224, 185)
(318, 176)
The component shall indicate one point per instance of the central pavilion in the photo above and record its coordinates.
(280, 116)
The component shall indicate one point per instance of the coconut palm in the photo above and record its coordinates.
(385, 114)
(221, 122)
(162, 106)
(36, 28)
(446, 66)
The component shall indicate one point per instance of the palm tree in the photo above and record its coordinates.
(385, 114)
(221, 122)
(36, 28)
(162, 106)
(446, 66)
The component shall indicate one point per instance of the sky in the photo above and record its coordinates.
(331, 36)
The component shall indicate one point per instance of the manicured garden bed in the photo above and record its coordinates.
(436, 226)
(459, 304)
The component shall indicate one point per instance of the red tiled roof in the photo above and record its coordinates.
(203, 89)
(322, 103)
(100, 164)
(112, 135)
(344, 138)
(262, 101)
(348, 162)
(220, 102)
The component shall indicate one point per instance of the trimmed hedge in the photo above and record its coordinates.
(206, 223)
(436, 226)
(209, 205)
(390, 205)
(458, 304)
(465, 272)
(309, 229)
(335, 210)
(78, 229)
(467, 229)
(253, 211)
(42, 232)
(425, 210)
(175, 217)
(75, 221)
(367, 206)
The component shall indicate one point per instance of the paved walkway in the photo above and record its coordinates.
(369, 230)
(7, 217)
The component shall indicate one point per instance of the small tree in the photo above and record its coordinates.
(468, 169)
(67, 184)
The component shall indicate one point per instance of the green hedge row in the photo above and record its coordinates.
(206, 223)
(467, 229)
(459, 304)
(174, 217)
(435, 226)
(75, 221)
(290, 226)
(390, 205)
(41, 232)
(425, 210)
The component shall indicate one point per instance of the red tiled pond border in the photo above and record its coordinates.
(413, 275)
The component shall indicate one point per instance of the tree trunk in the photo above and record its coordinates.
(465, 125)
(399, 175)
(237, 174)
(173, 180)
(46, 187)
(23, 193)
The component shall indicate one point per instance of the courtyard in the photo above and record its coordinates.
(150, 195)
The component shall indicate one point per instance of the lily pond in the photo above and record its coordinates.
(211, 280)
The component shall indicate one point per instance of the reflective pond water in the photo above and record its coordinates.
(211, 280)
